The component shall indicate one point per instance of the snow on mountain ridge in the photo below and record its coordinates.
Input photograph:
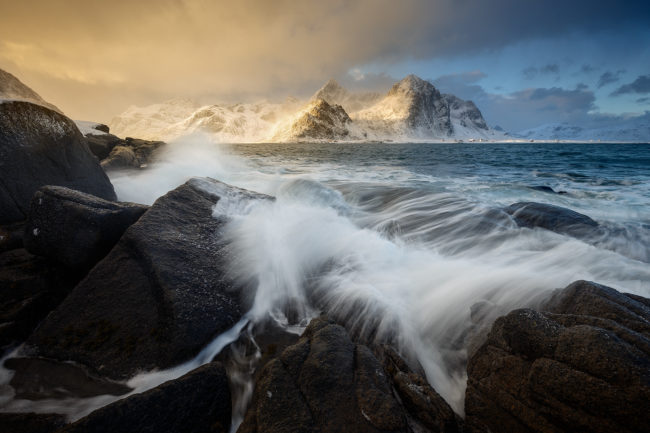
(413, 109)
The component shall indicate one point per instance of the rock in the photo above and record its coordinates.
(327, 383)
(11, 236)
(554, 218)
(424, 406)
(582, 364)
(121, 157)
(31, 422)
(158, 297)
(38, 379)
(39, 146)
(74, 228)
(102, 145)
(130, 153)
(197, 402)
(103, 128)
(30, 287)
(548, 189)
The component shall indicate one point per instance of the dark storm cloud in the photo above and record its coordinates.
(640, 85)
(609, 78)
(643, 100)
(581, 86)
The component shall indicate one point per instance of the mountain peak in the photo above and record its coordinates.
(332, 92)
(412, 84)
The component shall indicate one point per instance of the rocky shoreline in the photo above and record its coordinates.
(96, 291)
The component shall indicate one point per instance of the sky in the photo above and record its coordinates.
(523, 62)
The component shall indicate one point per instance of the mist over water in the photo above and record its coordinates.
(399, 241)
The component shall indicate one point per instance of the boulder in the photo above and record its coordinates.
(550, 217)
(582, 364)
(102, 128)
(30, 287)
(130, 153)
(158, 297)
(39, 146)
(74, 228)
(31, 422)
(198, 402)
(102, 145)
(327, 383)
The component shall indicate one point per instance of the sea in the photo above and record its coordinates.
(403, 240)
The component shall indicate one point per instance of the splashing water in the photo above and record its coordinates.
(399, 241)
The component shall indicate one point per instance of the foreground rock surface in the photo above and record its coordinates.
(158, 297)
(580, 365)
(74, 228)
(30, 287)
(198, 402)
(30, 422)
(327, 383)
(39, 146)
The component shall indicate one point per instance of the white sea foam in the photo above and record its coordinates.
(397, 254)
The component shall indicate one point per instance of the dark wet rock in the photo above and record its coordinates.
(130, 153)
(31, 422)
(39, 147)
(11, 236)
(550, 217)
(426, 410)
(548, 189)
(327, 383)
(197, 402)
(30, 287)
(102, 145)
(119, 153)
(38, 378)
(580, 365)
(102, 128)
(158, 297)
(74, 228)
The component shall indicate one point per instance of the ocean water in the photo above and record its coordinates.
(400, 241)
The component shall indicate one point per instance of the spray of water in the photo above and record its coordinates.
(395, 256)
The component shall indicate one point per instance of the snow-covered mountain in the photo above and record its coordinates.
(319, 121)
(413, 109)
(333, 93)
(634, 129)
(149, 122)
(12, 89)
